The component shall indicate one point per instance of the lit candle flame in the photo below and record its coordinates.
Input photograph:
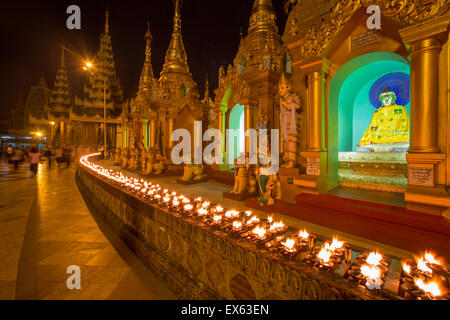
(237, 225)
(370, 271)
(260, 232)
(277, 226)
(406, 268)
(324, 255)
(374, 258)
(430, 287)
(289, 244)
(253, 219)
(303, 234)
(231, 213)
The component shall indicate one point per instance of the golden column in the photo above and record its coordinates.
(315, 111)
(423, 192)
(153, 132)
(318, 176)
(248, 116)
(424, 95)
(222, 128)
(171, 126)
(61, 133)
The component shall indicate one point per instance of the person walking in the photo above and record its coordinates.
(67, 155)
(59, 156)
(48, 153)
(34, 157)
(9, 153)
(101, 149)
(16, 158)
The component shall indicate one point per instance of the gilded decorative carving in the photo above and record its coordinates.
(406, 12)
(240, 87)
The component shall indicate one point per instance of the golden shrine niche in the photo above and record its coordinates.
(326, 50)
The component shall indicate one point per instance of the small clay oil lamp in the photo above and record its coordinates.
(330, 255)
(305, 240)
(218, 209)
(369, 269)
(236, 227)
(426, 278)
(232, 214)
(188, 208)
(217, 219)
(202, 212)
(276, 228)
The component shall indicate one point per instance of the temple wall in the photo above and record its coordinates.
(198, 262)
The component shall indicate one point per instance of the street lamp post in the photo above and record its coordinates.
(104, 114)
(89, 66)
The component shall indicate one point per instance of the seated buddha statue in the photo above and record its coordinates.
(389, 128)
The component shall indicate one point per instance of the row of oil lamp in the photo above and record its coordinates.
(424, 278)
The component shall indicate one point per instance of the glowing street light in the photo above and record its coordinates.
(89, 66)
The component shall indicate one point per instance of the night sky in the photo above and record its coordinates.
(31, 30)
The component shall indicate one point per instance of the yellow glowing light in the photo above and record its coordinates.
(88, 64)
(430, 287)
(406, 268)
(303, 234)
(370, 271)
(374, 258)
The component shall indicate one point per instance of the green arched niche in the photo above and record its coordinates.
(349, 107)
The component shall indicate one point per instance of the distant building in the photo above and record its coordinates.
(68, 119)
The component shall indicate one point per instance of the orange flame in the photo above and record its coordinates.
(431, 287)
(260, 232)
(374, 258)
(303, 234)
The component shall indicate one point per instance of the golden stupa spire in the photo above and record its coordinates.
(206, 95)
(107, 21)
(147, 76)
(176, 54)
(263, 17)
(63, 64)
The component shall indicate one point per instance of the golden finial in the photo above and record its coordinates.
(176, 54)
(107, 21)
(148, 34)
(263, 17)
(62, 57)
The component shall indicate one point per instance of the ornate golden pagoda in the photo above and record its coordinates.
(147, 81)
(104, 70)
(60, 99)
(175, 79)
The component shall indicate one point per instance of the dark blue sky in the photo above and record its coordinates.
(30, 31)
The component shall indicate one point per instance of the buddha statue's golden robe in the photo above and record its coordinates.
(389, 124)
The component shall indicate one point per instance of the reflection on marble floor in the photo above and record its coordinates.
(45, 226)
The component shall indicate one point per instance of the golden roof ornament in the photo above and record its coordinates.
(263, 17)
(147, 78)
(107, 21)
(176, 54)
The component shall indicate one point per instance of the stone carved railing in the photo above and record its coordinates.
(198, 262)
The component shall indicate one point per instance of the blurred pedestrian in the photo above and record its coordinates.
(67, 155)
(101, 149)
(9, 153)
(59, 156)
(48, 153)
(17, 157)
(34, 157)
